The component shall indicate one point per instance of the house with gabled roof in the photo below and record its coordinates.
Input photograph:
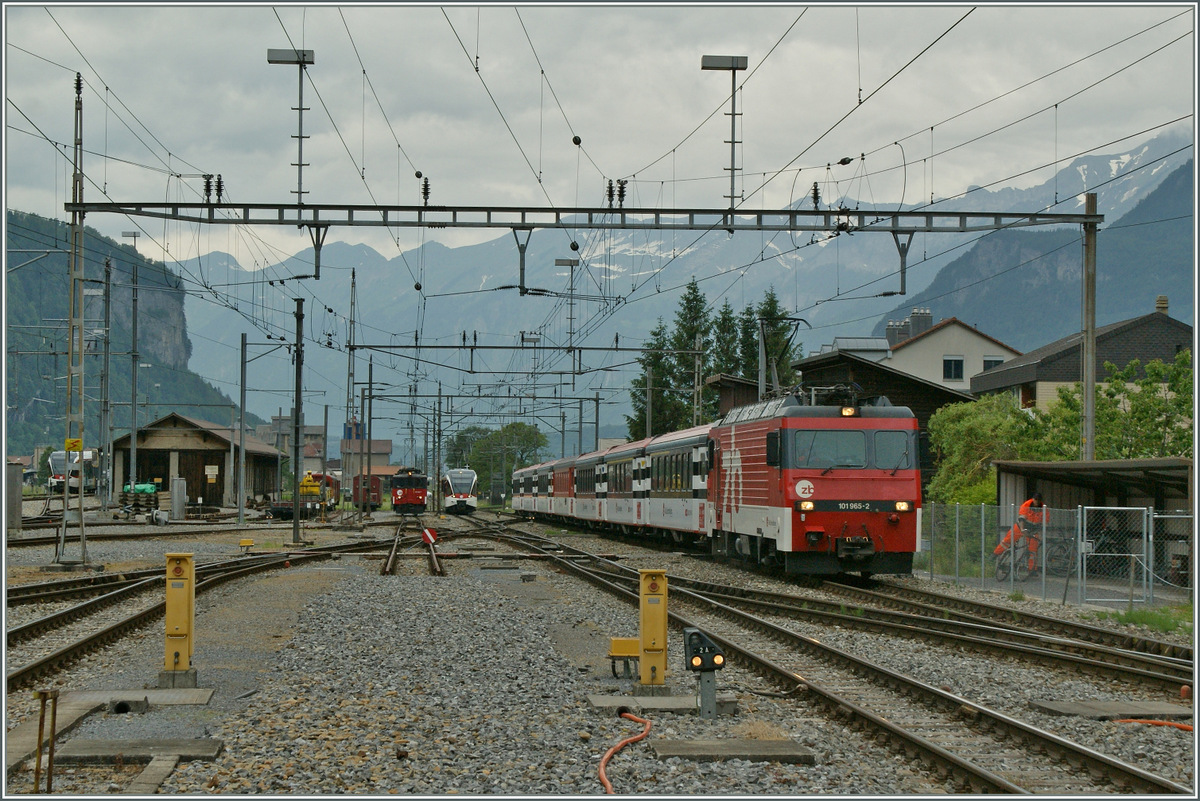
(949, 352)
(1035, 377)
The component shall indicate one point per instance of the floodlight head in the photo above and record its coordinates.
(723, 62)
(288, 55)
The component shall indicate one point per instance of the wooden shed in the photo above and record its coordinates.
(204, 454)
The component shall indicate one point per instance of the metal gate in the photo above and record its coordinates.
(1113, 563)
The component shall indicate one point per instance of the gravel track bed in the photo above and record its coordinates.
(477, 684)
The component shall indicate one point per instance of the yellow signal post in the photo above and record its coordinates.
(180, 615)
(652, 627)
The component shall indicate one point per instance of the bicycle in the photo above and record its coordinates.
(1019, 551)
(1060, 557)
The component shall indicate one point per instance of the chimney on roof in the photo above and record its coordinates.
(920, 321)
(896, 332)
(1160, 304)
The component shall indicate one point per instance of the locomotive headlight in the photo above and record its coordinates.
(849, 411)
(901, 506)
(805, 506)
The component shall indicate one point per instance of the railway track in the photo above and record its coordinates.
(980, 749)
(888, 594)
(993, 639)
(52, 656)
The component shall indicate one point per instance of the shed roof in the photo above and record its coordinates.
(1171, 477)
(221, 432)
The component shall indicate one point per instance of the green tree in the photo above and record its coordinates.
(692, 323)
(499, 452)
(667, 408)
(968, 437)
(1144, 414)
(780, 335)
(724, 359)
(748, 343)
(458, 447)
(1140, 414)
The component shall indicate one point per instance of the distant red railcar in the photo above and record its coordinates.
(410, 491)
(374, 496)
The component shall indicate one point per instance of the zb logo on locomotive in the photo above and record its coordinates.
(805, 489)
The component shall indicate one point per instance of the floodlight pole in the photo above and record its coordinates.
(733, 64)
(301, 58)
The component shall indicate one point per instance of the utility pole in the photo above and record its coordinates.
(1088, 350)
(298, 417)
(362, 454)
(369, 408)
(241, 499)
(324, 463)
(106, 468)
(350, 352)
(762, 357)
(136, 360)
(649, 396)
(74, 438)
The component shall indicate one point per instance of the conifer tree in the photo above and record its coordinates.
(666, 406)
(691, 322)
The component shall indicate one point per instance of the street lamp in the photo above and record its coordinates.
(733, 64)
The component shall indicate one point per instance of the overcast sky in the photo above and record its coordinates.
(484, 101)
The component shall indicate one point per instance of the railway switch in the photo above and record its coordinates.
(652, 626)
(180, 623)
(705, 657)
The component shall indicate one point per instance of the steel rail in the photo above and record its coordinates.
(24, 674)
(977, 777)
(896, 595)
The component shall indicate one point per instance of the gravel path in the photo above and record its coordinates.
(332, 679)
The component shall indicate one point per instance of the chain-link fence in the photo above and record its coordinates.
(1101, 555)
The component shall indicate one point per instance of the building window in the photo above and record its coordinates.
(992, 361)
(952, 368)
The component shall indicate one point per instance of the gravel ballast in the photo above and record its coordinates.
(329, 678)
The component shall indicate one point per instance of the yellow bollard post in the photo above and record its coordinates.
(652, 627)
(180, 623)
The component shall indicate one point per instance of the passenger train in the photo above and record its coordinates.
(459, 491)
(813, 483)
(410, 490)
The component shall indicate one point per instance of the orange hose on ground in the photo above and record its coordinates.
(1184, 726)
(608, 788)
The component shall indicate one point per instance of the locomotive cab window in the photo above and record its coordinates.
(832, 448)
(894, 450)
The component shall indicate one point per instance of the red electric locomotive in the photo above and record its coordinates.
(410, 490)
(817, 483)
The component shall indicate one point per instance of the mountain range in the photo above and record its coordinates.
(1019, 286)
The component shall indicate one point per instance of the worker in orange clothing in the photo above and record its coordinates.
(1031, 512)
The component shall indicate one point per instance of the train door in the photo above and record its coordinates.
(715, 486)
